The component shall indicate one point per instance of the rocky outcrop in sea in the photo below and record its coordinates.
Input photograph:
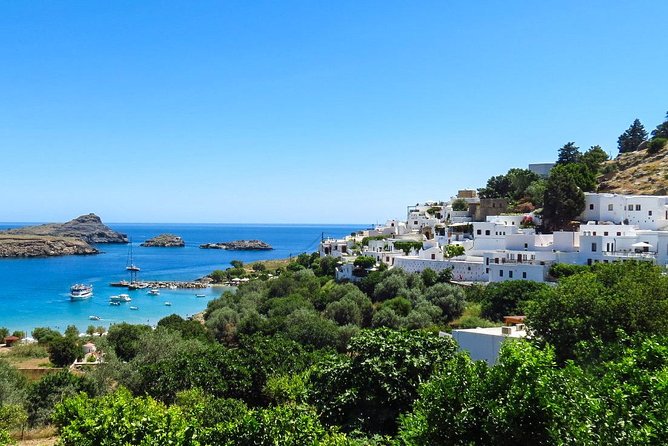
(88, 228)
(238, 245)
(165, 241)
(42, 246)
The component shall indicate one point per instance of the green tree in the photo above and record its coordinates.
(378, 379)
(520, 180)
(51, 390)
(535, 192)
(12, 385)
(4, 332)
(508, 298)
(661, 130)
(45, 335)
(454, 250)
(632, 137)
(563, 200)
(64, 350)
(460, 205)
(449, 298)
(72, 331)
(259, 267)
(119, 418)
(569, 153)
(238, 264)
(497, 187)
(656, 145)
(365, 261)
(189, 329)
(594, 159)
(124, 339)
(628, 297)
(219, 276)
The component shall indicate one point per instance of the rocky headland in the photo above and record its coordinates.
(42, 246)
(165, 241)
(88, 228)
(238, 245)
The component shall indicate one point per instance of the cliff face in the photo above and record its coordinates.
(88, 228)
(42, 246)
(637, 173)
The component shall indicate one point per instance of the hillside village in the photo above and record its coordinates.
(494, 245)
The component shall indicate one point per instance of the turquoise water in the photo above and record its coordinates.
(35, 292)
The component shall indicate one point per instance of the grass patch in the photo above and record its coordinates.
(27, 351)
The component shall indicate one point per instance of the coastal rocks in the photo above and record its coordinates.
(238, 245)
(88, 228)
(42, 246)
(165, 241)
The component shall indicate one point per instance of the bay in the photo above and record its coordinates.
(34, 292)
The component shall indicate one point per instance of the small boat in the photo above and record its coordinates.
(200, 295)
(131, 264)
(114, 303)
(134, 308)
(172, 287)
(122, 283)
(154, 292)
(120, 298)
(137, 286)
(81, 291)
(168, 304)
(94, 318)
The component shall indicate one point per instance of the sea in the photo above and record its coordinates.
(34, 292)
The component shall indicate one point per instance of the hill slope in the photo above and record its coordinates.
(637, 173)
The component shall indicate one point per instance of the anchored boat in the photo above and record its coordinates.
(80, 291)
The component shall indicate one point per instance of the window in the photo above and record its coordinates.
(496, 260)
(415, 222)
(593, 247)
(591, 207)
(487, 232)
(605, 233)
(500, 273)
(630, 207)
(487, 270)
(486, 260)
(610, 207)
(619, 234)
(650, 213)
(637, 207)
(594, 232)
(526, 245)
(433, 256)
(524, 275)
(479, 232)
(510, 274)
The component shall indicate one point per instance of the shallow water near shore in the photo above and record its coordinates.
(35, 292)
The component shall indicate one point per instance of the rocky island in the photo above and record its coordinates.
(58, 239)
(42, 246)
(88, 228)
(239, 245)
(165, 241)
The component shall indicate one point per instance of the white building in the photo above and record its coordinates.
(485, 343)
(645, 211)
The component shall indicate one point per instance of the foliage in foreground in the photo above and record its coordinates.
(527, 399)
(120, 418)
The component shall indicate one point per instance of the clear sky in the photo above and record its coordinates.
(306, 111)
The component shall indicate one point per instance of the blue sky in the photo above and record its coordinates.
(304, 111)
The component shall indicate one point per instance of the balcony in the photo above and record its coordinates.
(631, 255)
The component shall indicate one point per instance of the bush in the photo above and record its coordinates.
(656, 145)
(560, 270)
